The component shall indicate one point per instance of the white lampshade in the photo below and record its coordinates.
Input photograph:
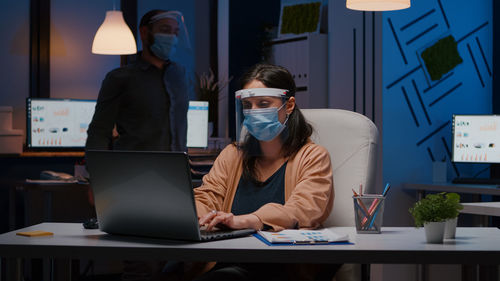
(114, 36)
(377, 5)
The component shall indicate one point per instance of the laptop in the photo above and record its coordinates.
(147, 194)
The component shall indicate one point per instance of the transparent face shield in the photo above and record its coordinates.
(183, 51)
(183, 34)
(241, 95)
(180, 49)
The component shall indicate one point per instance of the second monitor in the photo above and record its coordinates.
(476, 138)
(197, 131)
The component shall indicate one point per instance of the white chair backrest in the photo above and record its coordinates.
(351, 139)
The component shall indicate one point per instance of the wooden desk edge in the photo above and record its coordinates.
(53, 154)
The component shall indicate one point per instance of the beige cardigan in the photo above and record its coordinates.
(308, 188)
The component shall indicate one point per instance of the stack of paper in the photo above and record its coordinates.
(298, 236)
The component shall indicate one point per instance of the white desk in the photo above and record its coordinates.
(482, 208)
(397, 245)
(469, 208)
(478, 189)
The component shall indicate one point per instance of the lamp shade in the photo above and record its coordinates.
(114, 36)
(377, 5)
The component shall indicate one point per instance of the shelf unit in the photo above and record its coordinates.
(305, 56)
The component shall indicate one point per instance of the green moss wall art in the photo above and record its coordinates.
(300, 18)
(441, 57)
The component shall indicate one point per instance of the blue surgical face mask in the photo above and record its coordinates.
(263, 123)
(164, 46)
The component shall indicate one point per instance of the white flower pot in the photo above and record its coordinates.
(450, 228)
(434, 232)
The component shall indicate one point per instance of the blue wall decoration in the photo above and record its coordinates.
(440, 58)
(417, 111)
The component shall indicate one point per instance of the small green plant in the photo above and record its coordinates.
(300, 18)
(208, 89)
(441, 57)
(453, 204)
(436, 208)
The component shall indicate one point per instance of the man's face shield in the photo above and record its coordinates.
(172, 22)
(255, 98)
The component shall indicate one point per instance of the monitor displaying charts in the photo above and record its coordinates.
(63, 123)
(197, 131)
(58, 123)
(476, 138)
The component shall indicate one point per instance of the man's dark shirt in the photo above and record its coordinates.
(137, 99)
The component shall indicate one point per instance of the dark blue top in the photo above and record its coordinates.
(250, 196)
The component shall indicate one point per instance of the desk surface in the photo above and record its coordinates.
(394, 245)
(451, 187)
(482, 208)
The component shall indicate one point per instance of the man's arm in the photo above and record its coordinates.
(177, 86)
(106, 111)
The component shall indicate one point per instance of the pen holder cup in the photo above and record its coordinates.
(368, 213)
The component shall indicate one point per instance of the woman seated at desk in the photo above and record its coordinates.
(275, 179)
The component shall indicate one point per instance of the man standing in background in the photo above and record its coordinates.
(143, 106)
(146, 101)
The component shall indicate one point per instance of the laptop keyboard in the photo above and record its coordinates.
(224, 234)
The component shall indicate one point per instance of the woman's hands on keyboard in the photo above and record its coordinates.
(219, 218)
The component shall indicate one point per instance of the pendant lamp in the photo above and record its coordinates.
(114, 37)
(377, 5)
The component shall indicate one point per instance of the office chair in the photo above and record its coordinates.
(351, 139)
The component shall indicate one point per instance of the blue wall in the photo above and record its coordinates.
(417, 112)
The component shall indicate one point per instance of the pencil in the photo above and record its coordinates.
(361, 202)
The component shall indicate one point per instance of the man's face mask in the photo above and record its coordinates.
(263, 123)
(164, 45)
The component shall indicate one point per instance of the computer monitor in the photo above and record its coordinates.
(57, 123)
(197, 131)
(476, 138)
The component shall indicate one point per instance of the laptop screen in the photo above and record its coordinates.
(197, 117)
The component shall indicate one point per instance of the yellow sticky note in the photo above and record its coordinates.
(35, 233)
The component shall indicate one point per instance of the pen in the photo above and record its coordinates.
(374, 216)
(386, 189)
(370, 211)
(384, 193)
(362, 209)
(361, 203)
(373, 206)
(311, 241)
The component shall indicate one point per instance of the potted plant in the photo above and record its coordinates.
(208, 89)
(432, 213)
(453, 203)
